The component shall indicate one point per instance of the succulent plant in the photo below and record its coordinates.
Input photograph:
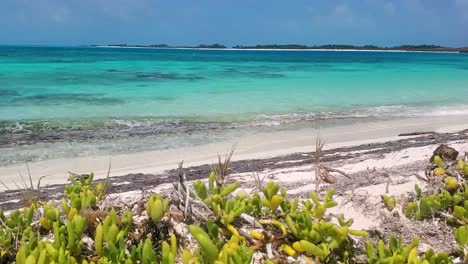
(157, 207)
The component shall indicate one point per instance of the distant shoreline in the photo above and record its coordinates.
(236, 49)
(406, 48)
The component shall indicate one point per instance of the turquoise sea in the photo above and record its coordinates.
(77, 101)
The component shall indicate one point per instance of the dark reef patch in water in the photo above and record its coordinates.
(253, 74)
(4, 92)
(330, 68)
(346, 70)
(167, 76)
(158, 75)
(265, 74)
(164, 98)
(68, 98)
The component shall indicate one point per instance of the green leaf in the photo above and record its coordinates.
(200, 188)
(371, 255)
(461, 235)
(209, 249)
(312, 249)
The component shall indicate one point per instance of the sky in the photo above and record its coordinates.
(232, 22)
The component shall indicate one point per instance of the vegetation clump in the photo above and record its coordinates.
(446, 198)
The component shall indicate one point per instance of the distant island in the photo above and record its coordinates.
(427, 48)
(203, 46)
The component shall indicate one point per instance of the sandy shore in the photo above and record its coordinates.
(376, 160)
(250, 147)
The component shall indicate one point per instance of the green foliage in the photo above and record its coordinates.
(157, 207)
(452, 201)
(14, 228)
(209, 249)
(323, 239)
(51, 215)
(292, 227)
(272, 199)
(110, 238)
(80, 193)
(66, 248)
(389, 202)
(417, 190)
(233, 251)
(306, 225)
(461, 236)
(217, 198)
(439, 162)
(395, 252)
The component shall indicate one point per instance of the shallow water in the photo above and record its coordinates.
(75, 101)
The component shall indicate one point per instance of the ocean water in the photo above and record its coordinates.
(77, 101)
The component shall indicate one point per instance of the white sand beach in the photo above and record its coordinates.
(255, 146)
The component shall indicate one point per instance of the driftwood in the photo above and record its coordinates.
(337, 171)
(322, 172)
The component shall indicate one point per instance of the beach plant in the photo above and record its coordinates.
(66, 247)
(110, 239)
(452, 202)
(397, 253)
(146, 254)
(272, 199)
(80, 193)
(317, 237)
(389, 202)
(449, 203)
(461, 236)
(439, 162)
(157, 207)
(450, 198)
(51, 215)
(312, 235)
(217, 198)
(13, 228)
(293, 229)
(234, 251)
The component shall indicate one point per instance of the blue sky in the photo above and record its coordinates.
(191, 22)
